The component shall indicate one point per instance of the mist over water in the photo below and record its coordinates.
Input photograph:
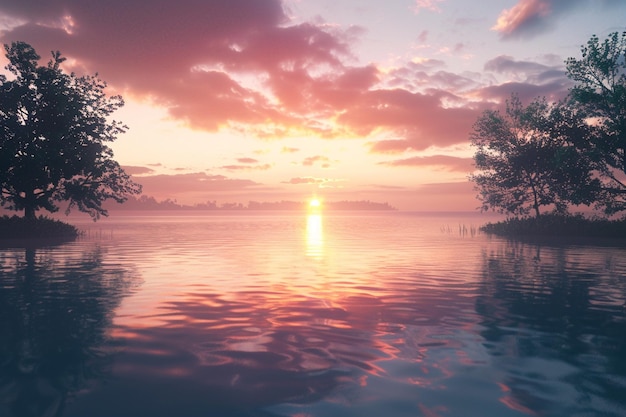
(369, 314)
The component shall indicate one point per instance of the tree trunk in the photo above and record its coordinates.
(535, 199)
(29, 213)
(29, 205)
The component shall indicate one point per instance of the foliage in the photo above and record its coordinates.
(600, 91)
(554, 224)
(53, 134)
(41, 227)
(527, 158)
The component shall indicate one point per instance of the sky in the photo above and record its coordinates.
(269, 100)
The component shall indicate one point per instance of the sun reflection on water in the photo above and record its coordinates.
(314, 236)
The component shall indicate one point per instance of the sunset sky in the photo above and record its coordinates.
(266, 100)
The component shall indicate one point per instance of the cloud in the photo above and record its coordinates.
(259, 167)
(390, 146)
(243, 64)
(431, 5)
(240, 64)
(247, 161)
(505, 64)
(193, 58)
(422, 119)
(247, 164)
(305, 180)
(529, 18)
(310, 161)
(528, 79)
(329, 183)
(449, 163)
(135, 170)
(525, 91)
(197, 186)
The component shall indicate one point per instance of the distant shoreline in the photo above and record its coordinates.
(147, 203)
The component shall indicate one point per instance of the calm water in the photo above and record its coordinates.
(271, 315)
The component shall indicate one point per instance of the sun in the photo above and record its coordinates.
(315, 205)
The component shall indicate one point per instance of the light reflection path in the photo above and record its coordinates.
(315, 236)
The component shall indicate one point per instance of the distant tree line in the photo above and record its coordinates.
(145, 202)
(563, 154)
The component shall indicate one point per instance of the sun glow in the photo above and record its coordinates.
(314, 206)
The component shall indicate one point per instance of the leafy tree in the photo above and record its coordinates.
(53, 133)
(600, 90)
(526, 158)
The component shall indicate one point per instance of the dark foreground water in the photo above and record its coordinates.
(382, 315)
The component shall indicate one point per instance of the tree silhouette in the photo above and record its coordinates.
(600, 75)
(526, 158)
(53, 133)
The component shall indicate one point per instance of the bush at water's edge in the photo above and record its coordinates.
(558, 225)
(40, 228)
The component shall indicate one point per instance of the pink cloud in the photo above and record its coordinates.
(431, 5)
(310, 161)
(134, 170)
(186, 56)
(522, 16)
(421, 119)
(305, 180)
(247, 167)
(198, 184)
(247, 161)
(528, 18)
(244, 64)
(326, 183)
(390, 146)
(448, 163)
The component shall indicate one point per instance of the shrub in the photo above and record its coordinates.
(21, 228)
(558, 225)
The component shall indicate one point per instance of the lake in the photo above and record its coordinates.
(364, 314)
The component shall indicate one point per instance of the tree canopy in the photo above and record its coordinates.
(526, 158)
(600, 90)
(54, 129)
(560, 154)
